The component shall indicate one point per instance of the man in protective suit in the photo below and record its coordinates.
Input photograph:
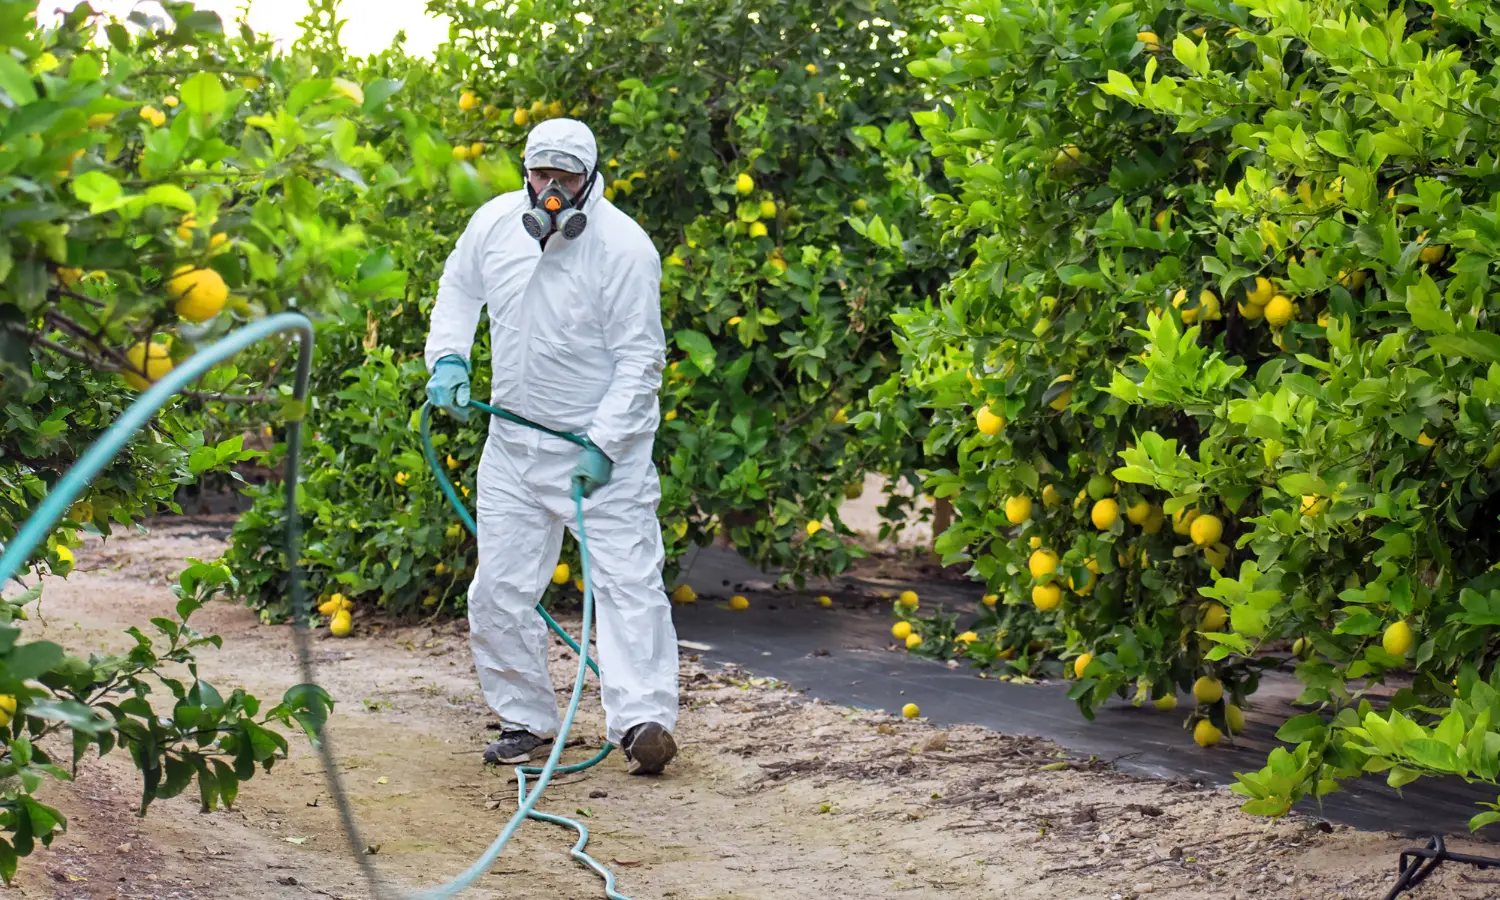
(572, 287)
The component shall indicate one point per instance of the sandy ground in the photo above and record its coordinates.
(773, 796)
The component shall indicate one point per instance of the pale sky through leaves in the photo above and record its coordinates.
(371, 25)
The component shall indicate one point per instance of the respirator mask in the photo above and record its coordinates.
(555, 210)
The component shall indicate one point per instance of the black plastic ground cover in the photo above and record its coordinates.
(840, 656)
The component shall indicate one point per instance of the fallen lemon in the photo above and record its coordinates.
(910, 711)
(738, 602)
(684, 594)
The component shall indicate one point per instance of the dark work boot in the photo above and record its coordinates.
(648, 748)
(513, 747)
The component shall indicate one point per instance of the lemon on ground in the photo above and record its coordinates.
(738, 602)
(825, 601)
(1046, 596)
(990, 599)
(1165, 704)
(1213, 618)
(910, 711)
(330, 606)
(989, 423)
(1398, 638)
(561, 574)
(342, 601)
(1312, 504)
(913, 640)
(968, 637)
(813, 527)
(684, 594)
(1208, 690)
(1050, 497)
(744, 184)
(1206, 734)
(1206, 530)
(1138, 512)
(1082, 663)
(1105, 514)
(159, 364)
(1042, 562)
(1017, 509)
(1234, 718)
(200, 293)
(908, 599)
(1279, 311)
(341, 624)
(901, 630)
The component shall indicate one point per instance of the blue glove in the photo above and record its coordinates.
(448, 388)
(594, 469)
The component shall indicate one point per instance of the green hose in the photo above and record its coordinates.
(58, 500)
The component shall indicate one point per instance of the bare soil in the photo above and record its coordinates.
(773, 795)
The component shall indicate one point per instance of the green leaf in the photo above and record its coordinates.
(1424, 303)
(1307, 727)
(75, 715)
(33, 659)
(1481, 346)
(203, 96)
(1476, 823)
(1333, 142)
(16, 81)
(99, 190)
(698, 348)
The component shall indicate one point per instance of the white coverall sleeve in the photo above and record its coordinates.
(637, 346)
(460, 298)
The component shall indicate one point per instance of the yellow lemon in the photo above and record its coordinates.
(825, 601)
(768, 209)
(476, 150)
(989, 423)
(910, 711)
(1206, 734)
(1042, 562)
(908, 599)
(1138, 512)
(670, 415)
(1312, 504)
(69, 276)
(901, 630)
(200, 293)
(520, 116)
(1104, 514)
(1208, 690)
(561, 574)
(1036, 542)
(342, 623)
(430, 600)
(1425, 441)
(810, 69)
(1252, 312)
(1050, 497)
(1067, 158)
(738, 602)
(460, 153)
(913, 641)
(1182, 520)
(467, 101)
(330, 606)
(1149, 38)
(64, 553)
(673, 154)
(1431, 254)
(813, 527)
(1279, 311)
(1206, 530)
(555, 108)
(440, 568)
(1082, 663)
(1165, 704)
(1234, 717)
(454, 530)
(7, 709)
(757, 229)
(1062, 400)
(1302, 648)
(968, 637)
(98, 120)
(1154, 521)
(1017, 509)
(1213, 618)
(1398, 638)
(684, 594)
(990, 600)
(159, 364)
(1263, 292)
(744, 183)
(1046, 596)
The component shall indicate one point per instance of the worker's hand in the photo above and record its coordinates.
(448, 388)
(594, 469)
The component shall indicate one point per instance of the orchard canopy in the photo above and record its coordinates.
(1184, 308)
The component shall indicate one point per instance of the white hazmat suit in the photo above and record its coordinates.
(577, 345)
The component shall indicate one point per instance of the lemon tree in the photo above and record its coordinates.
(1229, 292)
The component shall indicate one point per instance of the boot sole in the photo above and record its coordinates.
(528, 756)
(651, 750)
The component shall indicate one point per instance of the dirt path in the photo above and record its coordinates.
(773, 796)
